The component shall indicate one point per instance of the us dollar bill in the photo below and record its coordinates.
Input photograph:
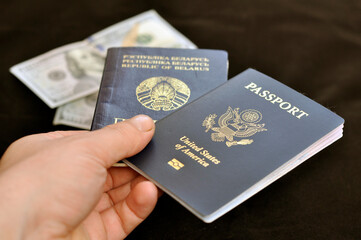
(63, 74)
(78, 113)
(74, 70)
(147, 29)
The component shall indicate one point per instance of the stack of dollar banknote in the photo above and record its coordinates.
(68, 78)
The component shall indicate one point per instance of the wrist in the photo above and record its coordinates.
(17, 215)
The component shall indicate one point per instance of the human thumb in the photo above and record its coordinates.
(121, 140)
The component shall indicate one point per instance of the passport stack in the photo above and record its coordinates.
(155, 81)
(211, 152)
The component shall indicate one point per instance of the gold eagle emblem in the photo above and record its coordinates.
(233, 124)
(163, 93)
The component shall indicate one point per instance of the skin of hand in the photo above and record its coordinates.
(60, 185)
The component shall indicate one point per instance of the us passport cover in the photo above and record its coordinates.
(221, 149)
(155, 81)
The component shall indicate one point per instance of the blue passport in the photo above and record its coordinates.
(155, 81)
(224, 147)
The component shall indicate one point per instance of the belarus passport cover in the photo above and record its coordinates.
(221, 149)
(155, 81)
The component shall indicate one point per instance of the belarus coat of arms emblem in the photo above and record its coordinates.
(163, 93)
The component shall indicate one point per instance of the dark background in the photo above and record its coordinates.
(312, 46)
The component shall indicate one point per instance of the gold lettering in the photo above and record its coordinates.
(191, 68)
(210, 157)
(198, 149)
(190, 143)
(195, 157)
(251, 85)
(264, 93)
(285, 108)
(179, 146)
(201, 64)
(277, 100)
(148, 57)
(293, 110)
(302, 114)
(190, 59)
(139, 66)
(256, 90)
(273, 98)
(270, 97)
(154, 62)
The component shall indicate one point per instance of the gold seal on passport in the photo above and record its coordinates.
(163, 93)
(234, 124)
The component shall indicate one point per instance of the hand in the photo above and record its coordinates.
(60, 185)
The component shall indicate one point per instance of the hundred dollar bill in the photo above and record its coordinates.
(78, 113)
(147, 29)
(74, 70)
(63, 74)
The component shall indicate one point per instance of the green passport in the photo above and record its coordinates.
(227, 145)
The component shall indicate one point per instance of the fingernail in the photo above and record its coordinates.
(142, 123)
